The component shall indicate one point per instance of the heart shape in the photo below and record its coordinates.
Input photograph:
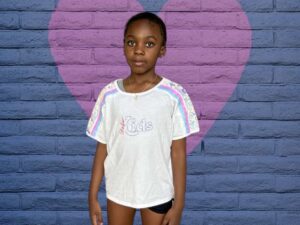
(206, 52)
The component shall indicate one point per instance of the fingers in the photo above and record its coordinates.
(99, 220)
(94, 220)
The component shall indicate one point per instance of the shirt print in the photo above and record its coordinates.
(132, 126)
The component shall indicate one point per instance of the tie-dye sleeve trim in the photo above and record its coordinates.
(185, 117)
(96, 124)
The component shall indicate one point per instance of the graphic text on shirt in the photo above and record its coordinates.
(131, 126)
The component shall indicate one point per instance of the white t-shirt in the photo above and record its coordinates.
(138, 129)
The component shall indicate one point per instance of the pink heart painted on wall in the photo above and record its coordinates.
(207, 50)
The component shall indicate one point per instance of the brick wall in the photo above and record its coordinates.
(245, 165)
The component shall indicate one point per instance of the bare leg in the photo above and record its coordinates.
(151, 218)
(118, 214)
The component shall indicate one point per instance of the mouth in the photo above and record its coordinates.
(138, 62)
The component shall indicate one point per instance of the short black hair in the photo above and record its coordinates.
(151, 17)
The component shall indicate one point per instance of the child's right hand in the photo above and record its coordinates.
(95, 213)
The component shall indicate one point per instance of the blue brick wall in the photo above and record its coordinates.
(245, 171)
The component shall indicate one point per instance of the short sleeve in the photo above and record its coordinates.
(96, 123)
(185, 121)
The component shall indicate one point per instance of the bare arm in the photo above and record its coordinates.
(97, 171)
(178, 157)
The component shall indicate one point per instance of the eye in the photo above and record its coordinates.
(130, 43)
(149, 44)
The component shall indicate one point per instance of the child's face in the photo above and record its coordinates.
(142, 46)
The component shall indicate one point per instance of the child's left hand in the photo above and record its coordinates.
(173, 217)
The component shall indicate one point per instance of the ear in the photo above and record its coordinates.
(162, 51)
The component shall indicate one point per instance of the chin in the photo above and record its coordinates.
(139, 71)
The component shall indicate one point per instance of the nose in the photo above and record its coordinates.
(139, 49)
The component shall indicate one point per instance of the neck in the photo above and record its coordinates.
(140, 79)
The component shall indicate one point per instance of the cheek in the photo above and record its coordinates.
(156, 53)
(127, 51)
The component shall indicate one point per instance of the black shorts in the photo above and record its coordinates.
(162, 208)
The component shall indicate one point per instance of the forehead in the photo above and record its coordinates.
(143, 26)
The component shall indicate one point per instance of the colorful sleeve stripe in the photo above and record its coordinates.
(98, 120)
(181, 104)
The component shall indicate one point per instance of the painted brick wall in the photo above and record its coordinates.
(245, 170)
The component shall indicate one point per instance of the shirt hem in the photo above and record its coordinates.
(95, 138)
(185, 135)
(138, 206)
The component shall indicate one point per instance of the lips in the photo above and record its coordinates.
(138, 62)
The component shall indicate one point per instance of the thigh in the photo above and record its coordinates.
(118, 214)
(151, 218)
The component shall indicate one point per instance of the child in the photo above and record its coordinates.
(141, 124)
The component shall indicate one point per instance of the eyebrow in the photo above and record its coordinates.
(150, 36)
